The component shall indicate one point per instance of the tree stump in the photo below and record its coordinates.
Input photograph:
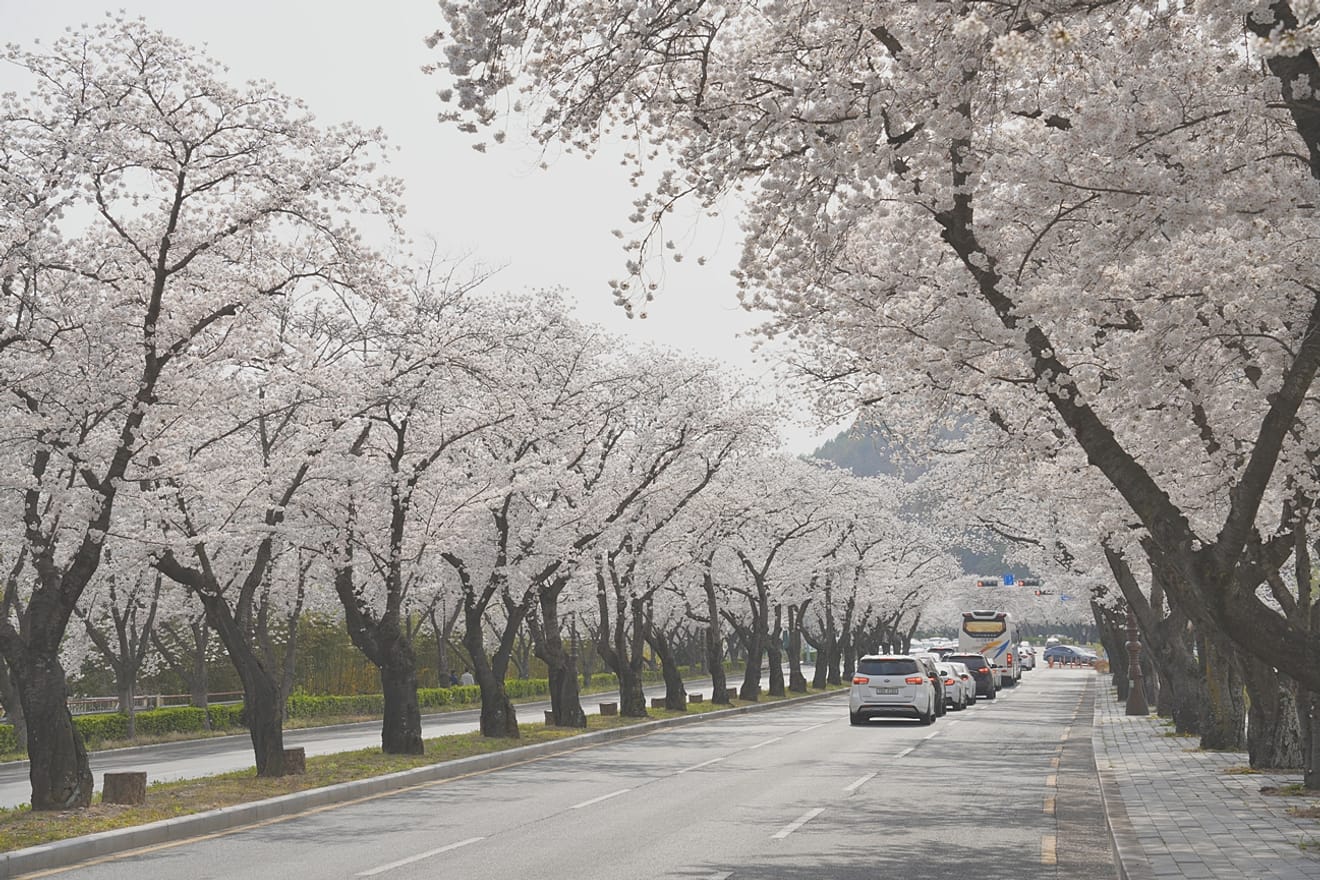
(609, 708)
(295, 761)
(696, 698)
(125, 788)
(549, 718)
(731, 693)
(657, 702)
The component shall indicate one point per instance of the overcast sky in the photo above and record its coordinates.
(356, 61)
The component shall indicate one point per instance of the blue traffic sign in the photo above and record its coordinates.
(1008, 580)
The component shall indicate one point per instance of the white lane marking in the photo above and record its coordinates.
(952, 723)
(417, 858)
(702, 764)
(765, 743)
(725, 876)
(905, 752)
(603, 797)
(931, 735)
(797, 823)
(813, 727)
(860, 782)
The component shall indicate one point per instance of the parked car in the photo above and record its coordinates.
(930, 662)
(1027, 657)
(956, 686)
(1069, 655)
(980, 669)
(889, 685)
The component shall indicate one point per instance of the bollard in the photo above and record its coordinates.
(657, 702)
(549, 718)
(696, 698)
(609, 708)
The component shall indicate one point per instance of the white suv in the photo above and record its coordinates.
(890, 684)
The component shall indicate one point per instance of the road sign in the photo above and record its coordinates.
(1008, 580)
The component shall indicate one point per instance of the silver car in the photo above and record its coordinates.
(888, 685)
(959, 686)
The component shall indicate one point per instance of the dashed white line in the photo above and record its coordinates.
(724, 876)
(603, 797)
(931, 735)
(859, 783)
(702, 764)
(905, 752)
(797, 823)
(417, 858)
(765, 743)
(813, 727)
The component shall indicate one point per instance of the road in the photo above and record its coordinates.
(1005, 789)
(193, 758)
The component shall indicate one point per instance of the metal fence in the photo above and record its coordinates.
(142, 702)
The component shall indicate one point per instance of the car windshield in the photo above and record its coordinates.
(971, 661)
(890, 666)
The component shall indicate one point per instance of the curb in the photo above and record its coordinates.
(66, 853)
(1129, 855)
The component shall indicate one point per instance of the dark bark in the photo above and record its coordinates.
(714, 643)
(13, 706)
(58, 767)
(797, 682)
(754, 639)
(1225, 708)
(675, 692)
(561, 665)
(775, 654)
(1273, 734)
(401, 732)
(498, 718)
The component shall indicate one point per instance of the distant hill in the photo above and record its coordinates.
(867, 452)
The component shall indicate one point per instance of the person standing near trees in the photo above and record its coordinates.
(467, 678)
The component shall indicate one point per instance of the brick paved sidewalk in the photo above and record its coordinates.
(1176, 813)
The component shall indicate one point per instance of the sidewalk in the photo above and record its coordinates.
(1175, 812)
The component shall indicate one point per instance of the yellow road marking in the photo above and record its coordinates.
(1047, 855)
(1052, 781)
(1049, 805)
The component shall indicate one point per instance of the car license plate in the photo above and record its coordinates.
(886, 690)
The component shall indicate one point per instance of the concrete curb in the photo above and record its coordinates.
(1129, 855)
(66, 853)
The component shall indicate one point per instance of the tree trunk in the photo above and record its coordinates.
(775, 654)
(498, 718)
(714, 644)
(797, 682)
(127, 705)
(561, 665)
(1273, 733)
(1225, 717)
(1308, 709)
(675, 693)
(58, 767)
(13, 706)
(401, 730)
(751, 685)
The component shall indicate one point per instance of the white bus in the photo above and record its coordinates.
(992, 634)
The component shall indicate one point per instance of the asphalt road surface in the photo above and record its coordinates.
(1005, 789)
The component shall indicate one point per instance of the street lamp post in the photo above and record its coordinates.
(1136, 698)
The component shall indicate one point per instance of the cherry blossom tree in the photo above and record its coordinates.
(998, 206)
(149, 206)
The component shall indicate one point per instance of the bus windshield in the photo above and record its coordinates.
(983, 627)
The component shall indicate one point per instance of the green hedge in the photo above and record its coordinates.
(189, 719)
